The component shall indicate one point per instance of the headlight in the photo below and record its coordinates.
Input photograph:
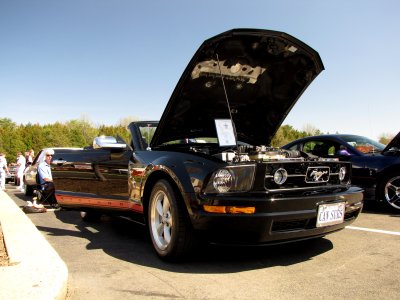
(222, 181)
(280, 176)
(231, 179)
(342, 173)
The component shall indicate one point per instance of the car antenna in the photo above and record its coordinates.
(227, 100)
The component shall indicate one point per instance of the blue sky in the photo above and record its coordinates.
(109, 60)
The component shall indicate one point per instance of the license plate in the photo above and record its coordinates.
(330, 214)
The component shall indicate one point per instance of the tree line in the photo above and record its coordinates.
(75, 133)
(16, 138)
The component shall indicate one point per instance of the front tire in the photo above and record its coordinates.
(389, 191)
(170, 230)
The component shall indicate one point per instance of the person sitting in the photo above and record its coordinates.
(46, 179)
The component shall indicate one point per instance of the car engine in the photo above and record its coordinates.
(260, 154)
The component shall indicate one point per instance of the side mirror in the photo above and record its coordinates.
(107, 142)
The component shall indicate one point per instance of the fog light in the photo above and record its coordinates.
(342, 173)
(240, 210)
(215, 209)
(280, 176)
(229, 209)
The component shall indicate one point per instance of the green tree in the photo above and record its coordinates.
(115, 131)
(80, 133)
(286, 134)
(11, 140)
(57, 135)
(385, 138)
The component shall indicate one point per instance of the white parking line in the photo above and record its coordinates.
(374, 230)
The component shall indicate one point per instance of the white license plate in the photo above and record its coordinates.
(330, 214)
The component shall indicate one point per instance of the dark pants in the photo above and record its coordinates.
(48, 192)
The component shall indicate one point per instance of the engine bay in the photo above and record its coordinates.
(259, 154)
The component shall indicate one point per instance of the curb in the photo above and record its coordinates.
(36, 270)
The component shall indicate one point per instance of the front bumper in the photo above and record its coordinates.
(277, 219)
(10, 177)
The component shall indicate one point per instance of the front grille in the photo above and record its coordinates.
(299, 174)
(352, 215)
(304, 224)
(293, 225)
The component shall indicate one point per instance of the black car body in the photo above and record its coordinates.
(30, 173)
(375, 167)
(204, 170)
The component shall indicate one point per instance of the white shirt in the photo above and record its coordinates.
(3, 164)
(21, 164)
(44, 171)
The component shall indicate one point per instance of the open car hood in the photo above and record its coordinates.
(394, 143)
(259, 73)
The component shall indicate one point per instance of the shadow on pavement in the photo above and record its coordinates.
(128, 241)
(374, 207)
(125, 240)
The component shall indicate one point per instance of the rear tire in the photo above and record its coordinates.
(170, 230)
(389, 191)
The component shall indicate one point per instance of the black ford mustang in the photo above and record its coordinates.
(205, 170)
(375, 167)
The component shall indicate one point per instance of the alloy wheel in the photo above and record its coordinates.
(392, 192)
(161, 220)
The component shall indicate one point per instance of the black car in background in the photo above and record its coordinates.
(375, 167)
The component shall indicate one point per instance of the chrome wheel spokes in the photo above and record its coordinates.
(161, 220)
(392, 192)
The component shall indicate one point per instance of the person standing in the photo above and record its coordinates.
(31, 156)
(20, 170)
(26, 158)
(3, 171)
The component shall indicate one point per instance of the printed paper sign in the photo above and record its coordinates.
(225, 132)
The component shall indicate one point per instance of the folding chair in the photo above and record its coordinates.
(45, 193)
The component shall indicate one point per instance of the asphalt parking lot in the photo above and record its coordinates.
(114, 258)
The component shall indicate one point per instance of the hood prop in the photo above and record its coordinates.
(227, 100)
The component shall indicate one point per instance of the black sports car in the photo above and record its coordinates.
(203, 170)
(376, 167)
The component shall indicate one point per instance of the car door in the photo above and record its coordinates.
(73, 171)
(111, 172)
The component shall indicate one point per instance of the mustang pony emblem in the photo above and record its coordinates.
(317, 174)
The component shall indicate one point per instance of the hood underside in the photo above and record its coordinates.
(252, 76)
(394, 143)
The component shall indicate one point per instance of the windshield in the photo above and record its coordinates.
(147, 130)
(200, 140)
(363, 144)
